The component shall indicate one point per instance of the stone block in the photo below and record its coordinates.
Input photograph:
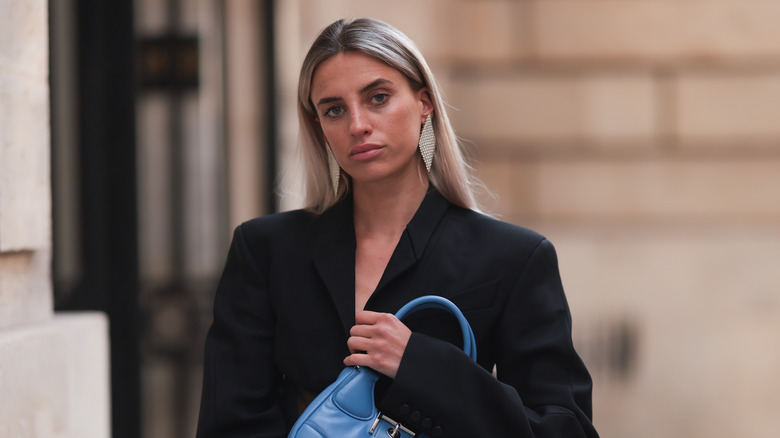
(486, 31)
(24, 39)
(738, 189)
(25, 287)
(704, 299)
(539, 107)
(511, 185)
(25, 206)
(728, 107)
(656, 30)
(54, 379)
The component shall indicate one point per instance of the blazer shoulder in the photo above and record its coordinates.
(277, 224)
(276, 233)
(492, 229)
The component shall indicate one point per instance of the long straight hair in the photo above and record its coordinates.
(450, 174)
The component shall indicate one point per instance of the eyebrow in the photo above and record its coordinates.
(368, 87)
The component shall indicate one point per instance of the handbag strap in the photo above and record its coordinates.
(437, 302)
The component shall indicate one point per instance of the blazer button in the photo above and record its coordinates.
(404, 409)
(415, 416)
(436, 431)
(427, 423)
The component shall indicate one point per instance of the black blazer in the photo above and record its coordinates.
(285, 304)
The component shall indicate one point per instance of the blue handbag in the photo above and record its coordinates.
(346, 409)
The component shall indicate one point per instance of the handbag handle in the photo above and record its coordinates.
(346, 407)
(437, 302)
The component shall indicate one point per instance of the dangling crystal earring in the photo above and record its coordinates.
(427, 143)
(333, 169)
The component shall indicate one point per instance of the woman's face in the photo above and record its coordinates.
(370, 116)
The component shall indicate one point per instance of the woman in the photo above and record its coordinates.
(305, 293)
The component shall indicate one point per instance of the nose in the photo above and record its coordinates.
(359, 123)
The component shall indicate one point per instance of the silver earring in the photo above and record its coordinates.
(333, 169)
(427, 143)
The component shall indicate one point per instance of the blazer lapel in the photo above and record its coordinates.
(413, 242)
(334, 255)
(334, 259)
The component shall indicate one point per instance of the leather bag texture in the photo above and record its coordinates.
(346, 409)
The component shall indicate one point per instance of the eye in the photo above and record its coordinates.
(380, 98)
(333, 112)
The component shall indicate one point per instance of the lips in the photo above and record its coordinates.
(365, 151)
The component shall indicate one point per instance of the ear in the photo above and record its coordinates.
(426, 103)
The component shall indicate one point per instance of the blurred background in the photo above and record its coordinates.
(642, 137)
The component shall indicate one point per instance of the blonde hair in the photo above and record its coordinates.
(450, 173)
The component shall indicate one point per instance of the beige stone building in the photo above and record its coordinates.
(642, 137)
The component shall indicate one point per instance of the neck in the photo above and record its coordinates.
(386, 209)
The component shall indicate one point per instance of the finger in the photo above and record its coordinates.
(361, 358)
(356, 359)
(384, 365)
(371, 318)
(358, 344)
(367, 317)
(363, 331)
(378, 333)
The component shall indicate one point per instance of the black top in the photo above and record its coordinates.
(286, 300)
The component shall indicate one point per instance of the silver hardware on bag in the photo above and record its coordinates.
(392, 432)
(376, 423)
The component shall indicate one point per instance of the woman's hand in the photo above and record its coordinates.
(377, 341)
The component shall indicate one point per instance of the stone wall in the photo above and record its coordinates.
(53, 367)
(643, 139)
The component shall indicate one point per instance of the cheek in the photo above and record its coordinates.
(413, 136)
(408, 128)
(331, 136)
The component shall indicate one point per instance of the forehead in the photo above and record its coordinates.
(350, 71)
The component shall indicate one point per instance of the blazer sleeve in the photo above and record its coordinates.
(542, 388)
(241, 385)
